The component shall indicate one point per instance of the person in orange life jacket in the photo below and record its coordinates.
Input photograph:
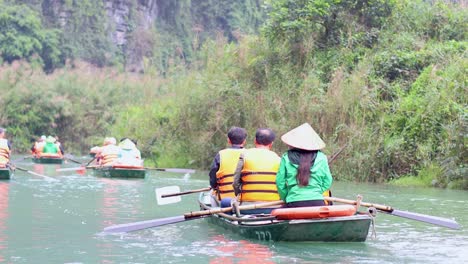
(224, 164)
(5, 148)
(109, 152)
(38, 145)
(255, 176)
(304, 174)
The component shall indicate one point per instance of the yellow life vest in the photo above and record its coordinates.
(228, 159)
(4, 151)
(259, 175)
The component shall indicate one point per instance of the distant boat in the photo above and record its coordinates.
(5, 173)
(119, 171)
(270, 227)
(48, 158)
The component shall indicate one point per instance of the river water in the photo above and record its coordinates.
(61, 221)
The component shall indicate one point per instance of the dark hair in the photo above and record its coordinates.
(132, 140)
(265, 136)
(306, 162)
(237, 135)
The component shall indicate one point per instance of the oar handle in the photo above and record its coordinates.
(377, 206)
(186, 192)
(228, 209)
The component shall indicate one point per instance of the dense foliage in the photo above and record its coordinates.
(385, 78)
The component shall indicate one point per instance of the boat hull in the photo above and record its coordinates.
(353, 228)
(47, 160)
(5, 173)
(111, 172)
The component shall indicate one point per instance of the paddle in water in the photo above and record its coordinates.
(35, 173)
(435, 220)
(176, 219)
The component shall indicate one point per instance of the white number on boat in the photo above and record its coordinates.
(263, 235)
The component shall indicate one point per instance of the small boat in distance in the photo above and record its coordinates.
(120, 171)
(307, 224)
(48, 158)
(5, 172)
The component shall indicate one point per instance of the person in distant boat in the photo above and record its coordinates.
(50, 147)
(38, 145)
(5, 148)
(224, 164)
(108, 153)
(254, 179)
(59, 145)
(129, 154)
(304, 175)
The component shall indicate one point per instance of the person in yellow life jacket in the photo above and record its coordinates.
(5, 148)
(38, 145)
(255, 176)
(109, 153)
(304, 177)
(224, 164)
(50, 147)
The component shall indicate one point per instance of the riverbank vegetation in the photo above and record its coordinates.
(385, 78)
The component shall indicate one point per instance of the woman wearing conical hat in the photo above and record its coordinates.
(304, 174)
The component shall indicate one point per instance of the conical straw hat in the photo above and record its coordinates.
(303, 137)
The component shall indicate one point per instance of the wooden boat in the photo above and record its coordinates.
(267, 227)
(5, 172)
(48, 158)
(119, 171)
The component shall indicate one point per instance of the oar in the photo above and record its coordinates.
(34, 173)
(435, 220)
(172, 170)
(170, 194)
(177, 219)
(186, 192)
(20, 159)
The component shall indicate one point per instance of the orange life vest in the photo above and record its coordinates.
(228, 159)
(4, 151)
(259, 175)
(109, 154)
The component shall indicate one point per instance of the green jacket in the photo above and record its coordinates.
(288, 188)
(50, 148)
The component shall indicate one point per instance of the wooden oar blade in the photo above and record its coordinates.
(144, 224)
(167, 190)
(427, 218)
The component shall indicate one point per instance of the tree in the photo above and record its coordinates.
(22, 36)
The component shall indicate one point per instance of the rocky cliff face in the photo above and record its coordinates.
(121, 18)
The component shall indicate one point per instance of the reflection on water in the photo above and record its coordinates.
(239, 251)
(61, 221)
(3, 218)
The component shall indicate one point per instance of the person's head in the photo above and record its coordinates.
(109, 141)
(127, 144)
(50, 139)
(237, 136)
(2, 132)
(264, 137)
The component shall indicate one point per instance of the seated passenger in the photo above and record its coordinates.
(109, 153)
(304, 175)
(50, 147)
(129, 154)
(5, 149)
(38, 146)
(255, 176)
